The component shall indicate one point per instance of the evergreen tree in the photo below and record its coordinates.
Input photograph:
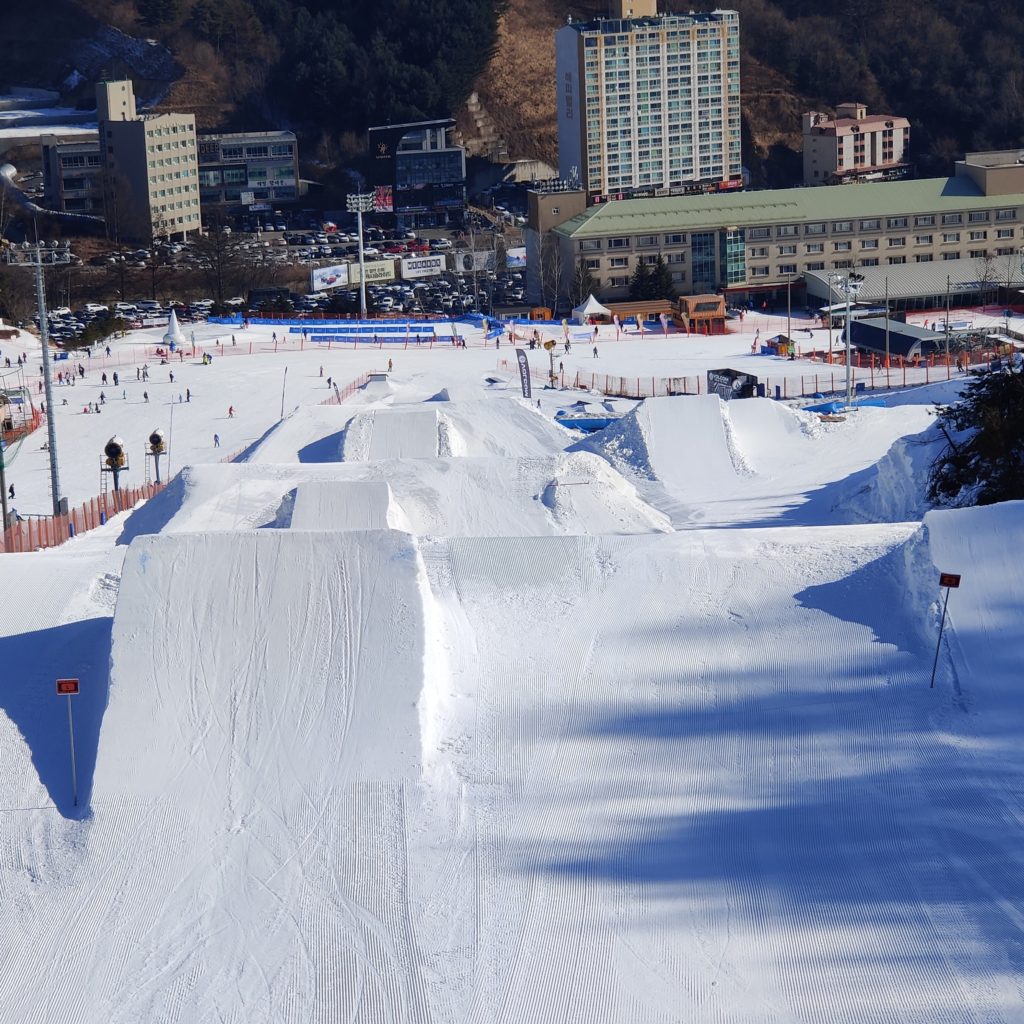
(640, 282)
(986, 463)
(154, 13)
(661, 286)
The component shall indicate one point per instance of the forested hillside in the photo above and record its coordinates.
(330, 68)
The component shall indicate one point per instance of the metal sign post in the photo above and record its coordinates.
(70, 687)
(949, 580)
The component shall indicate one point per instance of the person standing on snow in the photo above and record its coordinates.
(216, 440)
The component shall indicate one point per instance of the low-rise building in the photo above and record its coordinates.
(752, 245)
(854, 146)
(243, 172)
(72, 173)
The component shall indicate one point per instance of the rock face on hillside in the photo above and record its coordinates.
(511, 114)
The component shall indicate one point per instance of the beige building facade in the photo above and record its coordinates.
(150, 165)
(753, 245)
(854, 146)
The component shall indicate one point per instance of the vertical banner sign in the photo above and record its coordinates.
(524, 373)
(664, 323)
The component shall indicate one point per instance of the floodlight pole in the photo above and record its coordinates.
(44, 334)
(360, 203)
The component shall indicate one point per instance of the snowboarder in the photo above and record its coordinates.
(171, 375)
(145, 395)
(321, 371)
(115, 379)
(389, 366)
(10, 492)
(231, 412)
(103, 378)
(188, 395)
(328, 381)
(216, 440)
(595, 351)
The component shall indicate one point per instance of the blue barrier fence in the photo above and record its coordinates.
(384, 328)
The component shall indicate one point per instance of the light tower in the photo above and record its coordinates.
(360, 203)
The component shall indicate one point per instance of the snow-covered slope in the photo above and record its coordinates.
(424, 712)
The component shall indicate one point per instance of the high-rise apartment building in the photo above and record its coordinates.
(150, 167)
(649, 104)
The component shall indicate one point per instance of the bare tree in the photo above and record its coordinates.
(582, 283)
(552, 272)
(988, 278)
(221, 261)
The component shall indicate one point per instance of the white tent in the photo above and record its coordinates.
(590, 308)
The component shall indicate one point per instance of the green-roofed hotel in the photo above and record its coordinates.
(750, 244)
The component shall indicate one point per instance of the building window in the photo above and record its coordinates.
(675, 239)
(618, 262)
(896, 261)
(618, 243)
(842, 246)
(757, 234)
(979, 236)
(952, 218)
(1004, 232)
(787, 250)
(592, 264)
(923, 239)
(873, 262)
(758, 271)
(897, 222)
(977, 254)
(870, 225)
(816, 266)
(786, 230)
(950, 236)
(842, 227)
(923, 258)
(897, 243)
(978, 217)
(869, 243)
(676, 257)
(924, 222)
(1006, 214)
(787, 268)
(815, 247)
(843, 264)
(814, 229)
(951, 255)
(758, 252)
(590, 245)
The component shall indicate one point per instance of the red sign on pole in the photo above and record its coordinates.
(949, 579)
(67, 686)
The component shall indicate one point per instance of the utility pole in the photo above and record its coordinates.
(947, 322)
(887, 331)
(789, 309)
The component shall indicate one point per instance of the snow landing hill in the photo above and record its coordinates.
(426, 710)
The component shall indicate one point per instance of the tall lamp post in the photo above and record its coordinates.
(37, 256)
(849, 284)
(360, 203)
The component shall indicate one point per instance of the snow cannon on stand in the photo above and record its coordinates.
(156, 447)
(116, 460)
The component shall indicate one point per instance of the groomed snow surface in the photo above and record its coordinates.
(424, 709)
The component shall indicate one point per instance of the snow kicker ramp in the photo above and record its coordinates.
(246, 859)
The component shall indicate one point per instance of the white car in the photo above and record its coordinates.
(96, 307)
(60, 311)
(124, 307)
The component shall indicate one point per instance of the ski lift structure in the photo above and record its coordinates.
(18, 413)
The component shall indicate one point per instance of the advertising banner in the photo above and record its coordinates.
(467, 262)
(383, 199)
(524, 373)
(422, 266)
(728, 384)
(322, 278)
(516, 257)
(376, 270)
